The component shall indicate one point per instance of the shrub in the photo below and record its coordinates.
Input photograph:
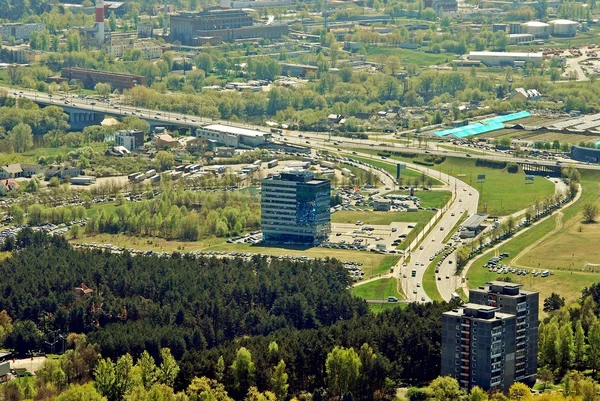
(512, 168)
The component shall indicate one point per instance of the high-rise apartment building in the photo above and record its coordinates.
(492, 341)
(295, 208)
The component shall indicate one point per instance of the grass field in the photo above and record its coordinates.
(406, 174)
(504, 193)
(565, 252)
(379, 289)
(377, 308)
(408, 56)
(429, 280)
(435, 199)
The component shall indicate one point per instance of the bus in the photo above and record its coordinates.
(545, 273)
(413, 273)
(454, 296)
(272, 163)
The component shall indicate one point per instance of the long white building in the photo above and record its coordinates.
(505, 59)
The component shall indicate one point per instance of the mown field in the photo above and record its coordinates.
(565, 252)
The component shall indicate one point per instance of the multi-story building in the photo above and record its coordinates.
(20, 31)
(89, 78)
(295, 208)
(150, 49)
(131, 139)
(226, 25)
(491, 342)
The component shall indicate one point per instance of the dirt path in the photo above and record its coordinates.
(559, 226)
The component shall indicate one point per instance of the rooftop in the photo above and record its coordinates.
(506, 54)
(226, 129)
(475, 221)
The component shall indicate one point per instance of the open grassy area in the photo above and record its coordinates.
(504, 193)
(408, 56)
(435, 199)
(565, 252)
(148, 243)
(379, 289)
(386, 264)
(429, 280)
(406, 174)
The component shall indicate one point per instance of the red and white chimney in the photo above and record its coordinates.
(100, 22)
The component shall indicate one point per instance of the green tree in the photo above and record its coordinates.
(205, 389)
(243, 370)
(579, 345)
(148, 370)
(342, 367)
(546, 376)
(204, 62)
(168, 369)
(112, 21)
(549, 352)
(6, 326)
(220, 369)
(20, 138)
(553, 302)
(102, 89)
(519, 392)
(279, 381)
(590, 212)
(445, 388)
(477, 394)
(80, 392)
(566, 347)
(593, 355)
(165, 159)
(16, 213)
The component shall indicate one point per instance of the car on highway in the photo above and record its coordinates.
(452, 214)
(447, 276)
(392, 299)
(422, 299)
(415, 291)
(418, 284)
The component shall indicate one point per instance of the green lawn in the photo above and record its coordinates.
(436, 199)
(429, 280)
(379, 289)
(386, 264)
(504, 193)
(408, 56)
(406, 174)
(565, 252)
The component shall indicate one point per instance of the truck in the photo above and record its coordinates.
(150, 173)
(132, 176)
(272, 163)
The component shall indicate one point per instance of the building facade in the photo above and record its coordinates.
(232, 136)
(492, 341)
(227, 25)
(295, 208)
(130, 140)
(20, 31)
(89, 78)
(582, 154)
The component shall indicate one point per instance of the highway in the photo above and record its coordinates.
(464, 200)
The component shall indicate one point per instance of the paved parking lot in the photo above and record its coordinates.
(347, 234)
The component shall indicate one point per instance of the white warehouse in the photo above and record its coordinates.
(504, 59)
(232, 136)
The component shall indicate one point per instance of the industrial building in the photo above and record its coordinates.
(20, 31)
(473, 225)
(503, 59)
(89, 78)
(192, 28)
(564, 28)
(297, 70)
(540, 30)
(295, 208)
(232, 136)
(492, 341)
(441, 5)
(95, 35)
(581, 154)
(517, 38)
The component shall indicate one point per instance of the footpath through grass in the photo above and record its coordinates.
(564, 252)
